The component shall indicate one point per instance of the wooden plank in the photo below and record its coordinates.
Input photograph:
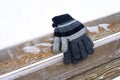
(60, 71)
(15, 57)
(107, 71)
(55, 69)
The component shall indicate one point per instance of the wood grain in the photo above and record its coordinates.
(106, 71)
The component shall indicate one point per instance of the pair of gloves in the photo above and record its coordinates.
(70, 38)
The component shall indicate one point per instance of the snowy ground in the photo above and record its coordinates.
(22, 20)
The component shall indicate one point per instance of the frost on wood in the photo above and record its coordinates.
(41, 47)
(44, 44)
(32, 49)
(96, 28)
(104, 26)
(93, 29)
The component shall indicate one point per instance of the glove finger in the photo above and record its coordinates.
(88, 44)
(88, 39)
(67, 56)
(75, 49)
(64, 44)
(82, 50)
(75, 61)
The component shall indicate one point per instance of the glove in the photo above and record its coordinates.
(71, 39)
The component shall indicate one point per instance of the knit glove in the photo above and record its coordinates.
(71, 39)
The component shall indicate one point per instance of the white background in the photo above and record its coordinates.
(22, 20)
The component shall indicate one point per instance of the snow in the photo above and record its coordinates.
(104, 26)
(96, 27)
(32, 49)
(101, 77)
(93, 29)
(117, 78)
(51, 39)
(44, 44)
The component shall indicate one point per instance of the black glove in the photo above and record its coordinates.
(71, 39)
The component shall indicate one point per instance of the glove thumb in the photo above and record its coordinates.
(64, 44)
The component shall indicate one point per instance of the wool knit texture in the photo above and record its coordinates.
(71, 39)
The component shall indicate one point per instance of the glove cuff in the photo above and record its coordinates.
(61, 19)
